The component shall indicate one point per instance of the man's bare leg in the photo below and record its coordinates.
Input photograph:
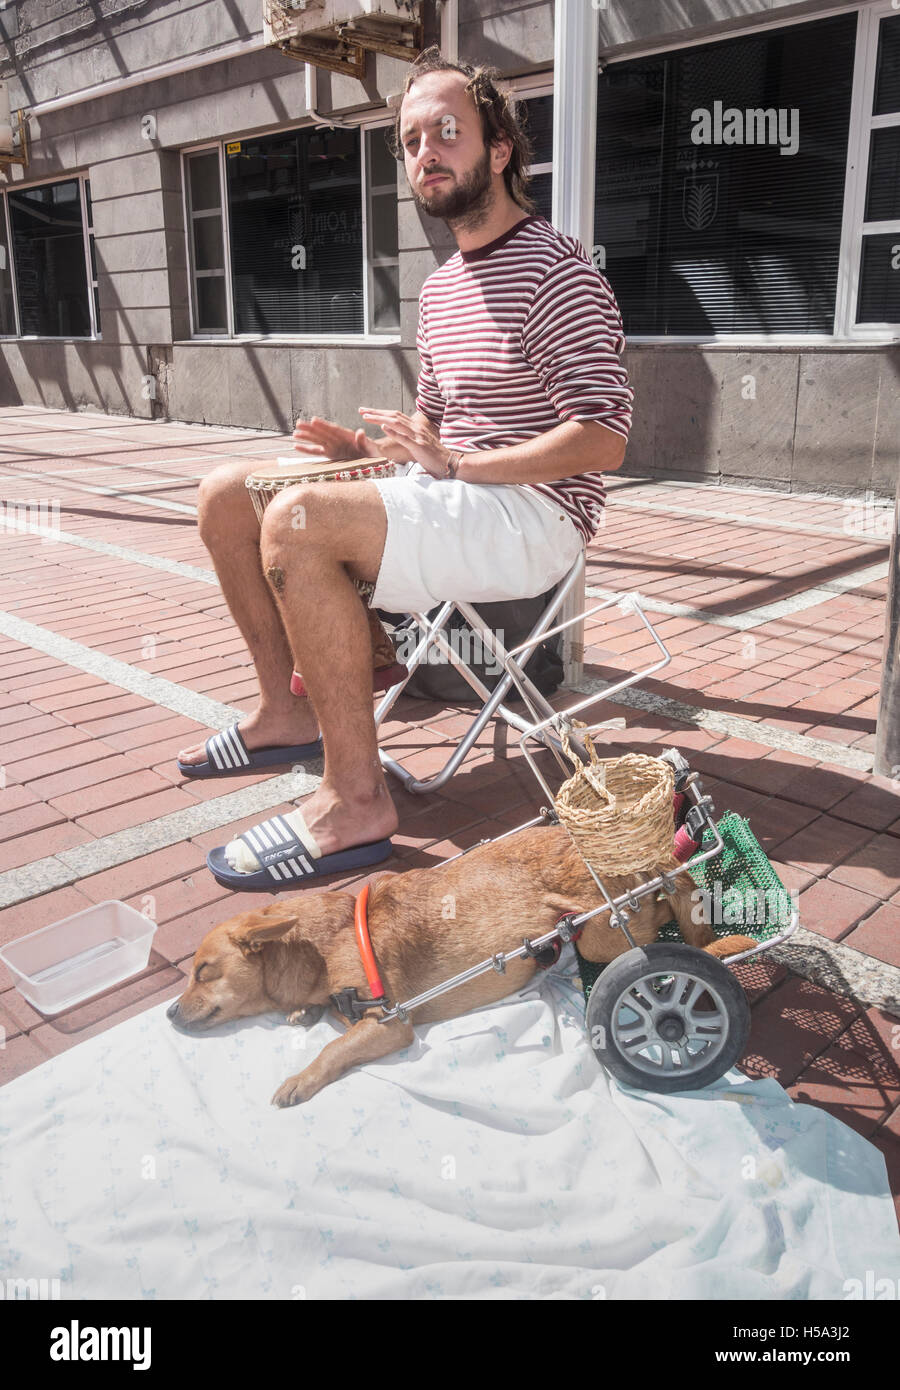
(311, 571)
(230, 530)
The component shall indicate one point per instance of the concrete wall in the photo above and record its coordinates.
(827, 418)
(824, 419)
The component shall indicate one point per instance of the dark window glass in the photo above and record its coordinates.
(538, 123)
(208, 248)
(540, 190)
(727, 237)
(887, 70)
(382, 164)
(386, 291)
(384, 276)
(212, 313)
(205, 192)
(48, 253)
(295, 204)
(7, 309)
(883, 190)
(879, 279)
(384, 225)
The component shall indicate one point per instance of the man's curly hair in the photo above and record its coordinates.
(498, 118)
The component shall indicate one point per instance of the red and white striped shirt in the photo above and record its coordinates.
(513, 339)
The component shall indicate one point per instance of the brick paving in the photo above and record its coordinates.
(780, 721)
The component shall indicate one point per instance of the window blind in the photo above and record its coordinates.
(719, 237)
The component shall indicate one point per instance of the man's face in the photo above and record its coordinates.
(450, 169)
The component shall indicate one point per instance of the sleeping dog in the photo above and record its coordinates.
(425, 925)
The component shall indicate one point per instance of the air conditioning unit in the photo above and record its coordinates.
(287, 20)
(13, 138)
(338, 33)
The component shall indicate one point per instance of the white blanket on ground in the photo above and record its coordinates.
(491, 1159)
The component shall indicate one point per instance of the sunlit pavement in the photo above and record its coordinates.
(771, 604)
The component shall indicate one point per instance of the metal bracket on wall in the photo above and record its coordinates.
(378, 34)
(326, 52)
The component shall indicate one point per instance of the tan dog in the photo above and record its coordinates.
(425, 925)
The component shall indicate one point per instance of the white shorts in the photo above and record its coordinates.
(479, 542)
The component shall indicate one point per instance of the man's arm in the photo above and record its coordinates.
(576, 446)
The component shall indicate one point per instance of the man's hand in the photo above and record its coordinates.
(416, 436)
(321, 437)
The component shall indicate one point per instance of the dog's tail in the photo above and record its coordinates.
(730, 946)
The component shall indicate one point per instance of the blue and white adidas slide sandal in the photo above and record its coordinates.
(227, 755)
(290, 860)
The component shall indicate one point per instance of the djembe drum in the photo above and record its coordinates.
(267, 481)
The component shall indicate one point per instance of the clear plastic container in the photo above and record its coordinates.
(80, 956)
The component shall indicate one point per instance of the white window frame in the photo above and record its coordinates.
(365, 122)
(18, 187)
(526, 89)
(371, 264)
(189, 218)
(862, 123)
(88, 227)
(844, 332)
(10, 337)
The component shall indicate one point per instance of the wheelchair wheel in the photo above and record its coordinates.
(667, 1018)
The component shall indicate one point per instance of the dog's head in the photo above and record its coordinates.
(234, 973)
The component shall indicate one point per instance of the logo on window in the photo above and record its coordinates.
(699, 201)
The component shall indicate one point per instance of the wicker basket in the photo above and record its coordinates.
(619, 811)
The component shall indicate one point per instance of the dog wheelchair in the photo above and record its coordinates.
(663, 1017)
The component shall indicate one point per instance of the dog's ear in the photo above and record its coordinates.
(268, 924)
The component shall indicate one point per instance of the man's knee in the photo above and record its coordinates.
(294, 516)
(311, 524)
(223, 502)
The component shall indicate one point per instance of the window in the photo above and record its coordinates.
(295, 210)
(89, 219)
(50, 260)
(538, 123)
(8, 326)
(878, 296)
(720, 223)
(382, 234)
(304, 240)
(207, 242)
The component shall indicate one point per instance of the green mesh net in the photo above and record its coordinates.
(744, 895)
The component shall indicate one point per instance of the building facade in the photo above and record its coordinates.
(191, 239)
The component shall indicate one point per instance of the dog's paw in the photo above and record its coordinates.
(293, 1092)
(308, 1017)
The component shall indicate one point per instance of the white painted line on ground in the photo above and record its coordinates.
(108, 852)
(767, 612)
(739, 622)
(218, 716)
(121, 552)
(734, 726)
(761, 523)
(147, 483)
(101, 491)
(156, 689)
